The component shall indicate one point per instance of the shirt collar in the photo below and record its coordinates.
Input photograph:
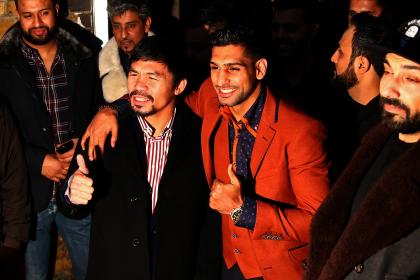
(148, 130)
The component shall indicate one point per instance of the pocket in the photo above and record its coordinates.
(300, 253)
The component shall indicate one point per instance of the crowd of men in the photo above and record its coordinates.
(265, 171)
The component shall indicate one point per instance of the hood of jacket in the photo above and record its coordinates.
(111, 72)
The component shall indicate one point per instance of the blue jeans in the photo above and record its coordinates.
(75, 233)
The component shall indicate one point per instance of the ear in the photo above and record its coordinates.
(181, 86)
(361, 65)
(57, 7)
(147, 24)
(261, 68)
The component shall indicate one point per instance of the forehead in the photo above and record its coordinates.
(33, 5)
(397, 61)
(370, 6)
(127, 16)
(150, 66)
(346, 39)
(229, 54)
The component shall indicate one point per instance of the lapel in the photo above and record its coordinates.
(265, 133)
(211, 122)
(136, 162)
(338, 244)
(178, 146)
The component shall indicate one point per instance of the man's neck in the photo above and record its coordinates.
(409, 138)
(46, 52)
(159, 120)
(365, 90)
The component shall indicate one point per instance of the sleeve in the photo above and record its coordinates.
(308, 175)
(15, 202)
(197, 100)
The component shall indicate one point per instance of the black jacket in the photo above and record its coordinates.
(182, 240)
(381, 240)
(14, 200)
(18, 86)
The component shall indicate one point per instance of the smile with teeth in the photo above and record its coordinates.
(227, 90)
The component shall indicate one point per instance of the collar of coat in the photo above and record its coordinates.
(10, 43)
(114, 79)
(388, 212)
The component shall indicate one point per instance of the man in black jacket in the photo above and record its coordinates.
(51, 82)
(369, 225)
(151, 217)
(14, 199)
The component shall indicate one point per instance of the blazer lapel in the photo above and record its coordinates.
(265, 133)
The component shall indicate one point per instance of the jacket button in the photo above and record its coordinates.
(44, 129)
(234, 235)
(359, 268)
(134, 199)
(136, 242)
(236, 251)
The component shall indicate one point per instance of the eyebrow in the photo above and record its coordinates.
(230, 64)
(408, 67)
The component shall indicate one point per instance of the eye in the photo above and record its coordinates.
(213, 67)
(233, 69)
(116, 26)
(45, 13)
(132, 74)
(412, 79)
(131, 26)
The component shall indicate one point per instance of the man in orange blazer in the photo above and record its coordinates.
(265, 161)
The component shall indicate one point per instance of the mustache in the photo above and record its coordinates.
(394, 102)
(39, 27)
(141, 93)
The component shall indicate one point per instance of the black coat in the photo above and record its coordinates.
(183, 235)
(382, 238)
(14, 200)
(18, 86)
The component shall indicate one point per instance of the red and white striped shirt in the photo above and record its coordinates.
(157, 149)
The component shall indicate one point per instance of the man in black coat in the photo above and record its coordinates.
(151, 218)
(51, 82)
(15, 210)
(369, 225)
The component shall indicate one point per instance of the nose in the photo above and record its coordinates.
(37, 21)
(389, 87)
(334, 57)
(140, 84)
(123, 32)
(222, 77)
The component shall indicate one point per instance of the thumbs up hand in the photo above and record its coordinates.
(80, 189)
(226, 197)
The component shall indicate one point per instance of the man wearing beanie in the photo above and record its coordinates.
(368, 227)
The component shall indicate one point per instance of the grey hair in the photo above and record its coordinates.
(116, 8)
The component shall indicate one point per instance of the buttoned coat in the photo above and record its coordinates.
(382, 238)
(183, 233)
(288, 166)
(18, 86)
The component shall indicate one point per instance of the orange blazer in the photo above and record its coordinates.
(288, 164)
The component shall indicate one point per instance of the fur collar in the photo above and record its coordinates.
(114, 80)
(387, 213)
(11, 41)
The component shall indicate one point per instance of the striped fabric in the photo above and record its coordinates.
(157, 149)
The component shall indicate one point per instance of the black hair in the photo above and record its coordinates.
(310, 8)
(118, 7)
(242, 35)
(369, 31)
(53, 1)
(160, 49)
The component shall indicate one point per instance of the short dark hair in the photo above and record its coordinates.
(53, 2)
(118, 7)
(310, 8)
(162, 50)
(245, 36)
(369, 31)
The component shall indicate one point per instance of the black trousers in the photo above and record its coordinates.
(234, 273)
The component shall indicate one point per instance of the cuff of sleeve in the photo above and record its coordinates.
(121, 105)
(249, 214)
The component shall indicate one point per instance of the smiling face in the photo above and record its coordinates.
(400, 94)
(129, 29)
(235, 76)
(37, 20)
(151, 88)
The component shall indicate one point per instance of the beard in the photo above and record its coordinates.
(142, 111)
(410, 124)
(50, 34)
(348, 78)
